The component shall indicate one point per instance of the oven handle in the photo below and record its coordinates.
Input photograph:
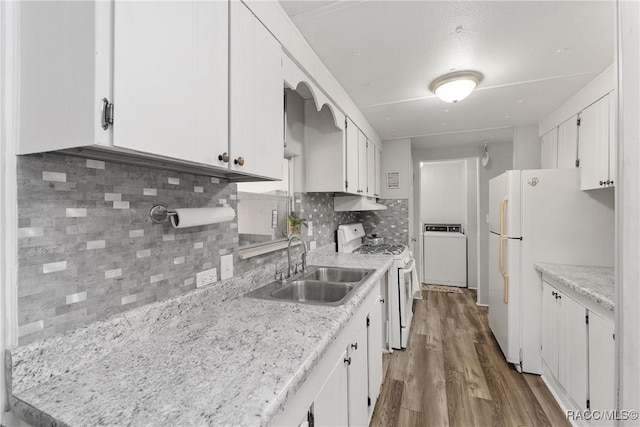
(409, 267)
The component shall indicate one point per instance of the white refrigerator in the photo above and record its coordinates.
(539, 216)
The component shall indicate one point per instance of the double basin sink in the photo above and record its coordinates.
(318, 286)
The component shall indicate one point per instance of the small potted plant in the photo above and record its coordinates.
(295, 222)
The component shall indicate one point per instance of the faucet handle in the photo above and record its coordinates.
(279, 274)
(298, 267)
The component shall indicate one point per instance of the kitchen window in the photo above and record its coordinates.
(262, 213)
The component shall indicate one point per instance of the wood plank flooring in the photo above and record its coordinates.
(452, 373)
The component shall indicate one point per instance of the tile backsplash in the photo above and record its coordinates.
(392, 223)
(87, 248)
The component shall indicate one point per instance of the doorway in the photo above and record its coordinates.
(449, 194)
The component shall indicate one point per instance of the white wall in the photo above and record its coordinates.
(526, 147)
(501, 160)
(473, 223)
(396, 157)
(443, 192)
(627, 210)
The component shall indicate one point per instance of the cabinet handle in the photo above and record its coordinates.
(224, 157)
(239, 161)
(382, 300)
(609, 182)
(601, 182)
(354, 346)
(347, 360)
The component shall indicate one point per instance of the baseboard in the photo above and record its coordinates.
(481, 305)
(553, 386)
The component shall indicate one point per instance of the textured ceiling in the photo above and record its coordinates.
(534, 55)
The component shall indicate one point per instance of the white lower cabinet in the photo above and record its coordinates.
(330, 407)
(564, 342)
(358, 384)
(343, 388)
(601, 364)
(577, 350)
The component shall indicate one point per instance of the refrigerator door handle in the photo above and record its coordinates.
(503, 209)
(505, 276)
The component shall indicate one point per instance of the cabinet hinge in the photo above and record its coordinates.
(586, 319)
(588, 404)
(368, 322)
(107, 114)
(368, 401)
(614, 336)
(577, 163)
(578, 121)
(346, 123)
(346, 184)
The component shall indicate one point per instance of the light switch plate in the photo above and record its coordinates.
(309, 228)
(226, 266)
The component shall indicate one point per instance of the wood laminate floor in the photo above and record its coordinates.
(452, 373)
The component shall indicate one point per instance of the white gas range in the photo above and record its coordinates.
(403, 280)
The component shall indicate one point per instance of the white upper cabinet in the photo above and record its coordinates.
(378, 173)
(170, 79)
(352, 139)
(568, 143)
(256, 102)
(594, 141)
(371, 169)
(163, 69)
(60, 109)
(362, 163)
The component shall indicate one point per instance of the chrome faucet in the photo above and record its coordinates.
(304, 254)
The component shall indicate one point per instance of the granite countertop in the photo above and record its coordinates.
(595, 283)
(191, 360)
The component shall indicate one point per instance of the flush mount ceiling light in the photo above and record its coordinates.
(455, 86)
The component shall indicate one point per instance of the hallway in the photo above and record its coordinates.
(453, 373)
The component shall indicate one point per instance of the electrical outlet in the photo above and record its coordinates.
(206, 277)
(226, 266)
(309, 228)
(312, 245)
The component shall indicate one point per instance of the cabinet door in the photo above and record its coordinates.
(378, 172)
(594, 145)
(374, 354)
(601, 363)
(358, 379)
(613, 136)
(573, 350)
(170, 78)
(351, 145)
(549, 328)
(549, 150)
(371, 169)
(362, 163)
(256, 97)
(568, 143)
(330, 407)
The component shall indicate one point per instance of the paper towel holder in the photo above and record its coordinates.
(159, 214)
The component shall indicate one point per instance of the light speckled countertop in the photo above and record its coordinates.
(596, 283)
(191, 360)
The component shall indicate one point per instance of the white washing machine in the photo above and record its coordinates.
(444, 252)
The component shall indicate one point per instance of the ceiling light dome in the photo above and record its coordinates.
(456, 86)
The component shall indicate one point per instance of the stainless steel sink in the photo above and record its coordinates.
(318, 286)
(313, 291)
(337, 274)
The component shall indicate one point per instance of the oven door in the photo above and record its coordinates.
(406, 289)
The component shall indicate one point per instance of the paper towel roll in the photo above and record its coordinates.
(193, 217)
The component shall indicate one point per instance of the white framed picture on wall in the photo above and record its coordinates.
(393, 179)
